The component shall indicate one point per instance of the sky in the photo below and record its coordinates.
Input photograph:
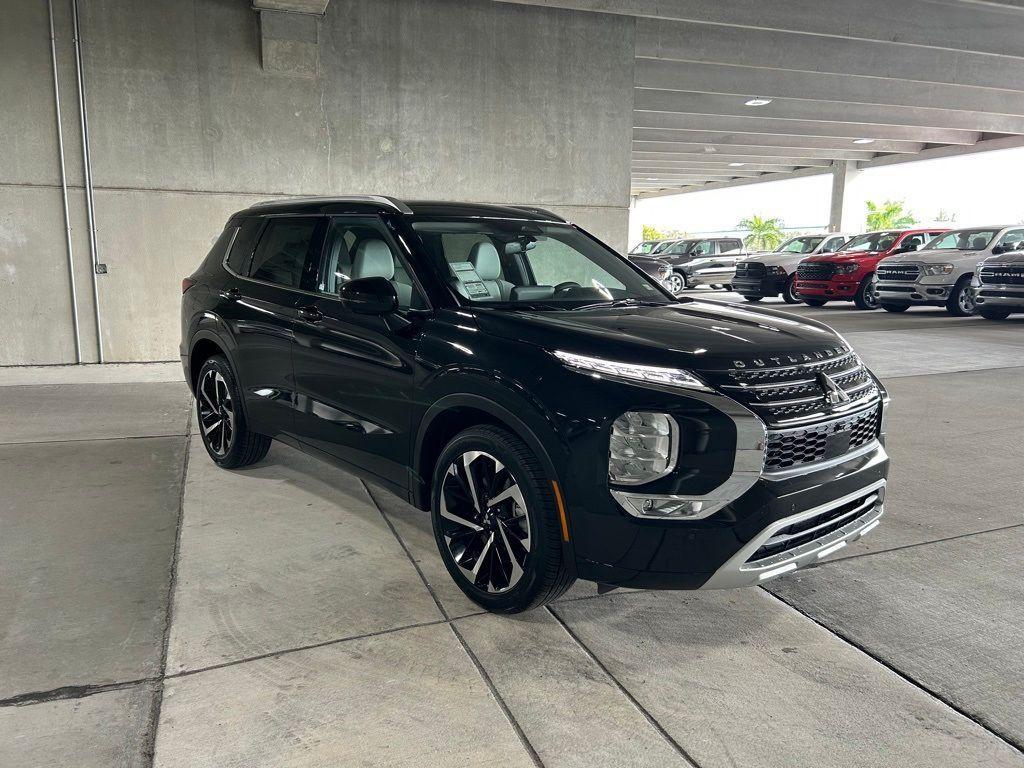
(979, 189)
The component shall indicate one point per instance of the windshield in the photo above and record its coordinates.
(664, 246)
(644, 248)
(800, 245)
(962, 240)
(873, 241)
(514, 263)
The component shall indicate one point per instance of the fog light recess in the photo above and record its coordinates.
(642, 448)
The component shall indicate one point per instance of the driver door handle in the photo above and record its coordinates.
(311, 314)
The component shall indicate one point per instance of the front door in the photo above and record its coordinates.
(354, 373)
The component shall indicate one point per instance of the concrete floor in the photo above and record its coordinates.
(157, 610)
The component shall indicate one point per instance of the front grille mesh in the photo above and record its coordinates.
(750, 269)
(816, 270)
(905, 273)
(820, 442)
(1002, 275)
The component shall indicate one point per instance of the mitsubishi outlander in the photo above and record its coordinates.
(558, 413)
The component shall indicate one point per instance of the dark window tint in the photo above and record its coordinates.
(283, 252)
(216, 253)
(241, 250)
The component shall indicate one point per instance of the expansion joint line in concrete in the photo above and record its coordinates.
(530, 750)
(679, 749)
(1019, 748)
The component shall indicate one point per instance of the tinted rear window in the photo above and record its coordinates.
(241, 250)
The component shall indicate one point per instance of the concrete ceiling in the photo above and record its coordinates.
(919, 78)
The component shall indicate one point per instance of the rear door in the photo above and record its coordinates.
(354, 373)
(259, 308)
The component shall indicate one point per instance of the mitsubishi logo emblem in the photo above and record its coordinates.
(834, 395)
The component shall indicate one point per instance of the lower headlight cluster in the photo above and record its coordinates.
(642, 448)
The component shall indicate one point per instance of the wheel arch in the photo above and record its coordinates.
(205, 344)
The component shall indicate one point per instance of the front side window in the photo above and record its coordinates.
(680, 248)
(283, 254)
(510, 262)
(360, 247)
(963, 240)
(644, 248)
(703, 248)
(873, 241)
(1012, 240)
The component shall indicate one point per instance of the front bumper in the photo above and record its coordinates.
(830, 290)
(770, 285)
(919, 293)
(996, 296)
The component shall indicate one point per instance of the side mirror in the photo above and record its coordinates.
(369, 296)
(996, 250)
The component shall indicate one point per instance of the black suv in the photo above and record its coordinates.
(559, 413)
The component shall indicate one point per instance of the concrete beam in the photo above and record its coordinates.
(683, 165)
(935, 153)
(642, 154)
(671, 178)
(829, 110)
(290, 43)
(690, 148)
(768, 177)
(821, 86)
(670, 172)
(992, 28)
(760, 126)
(889, 59)
(720, 138)
(317, 7)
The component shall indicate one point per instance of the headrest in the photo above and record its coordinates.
(978, 242)
(484, 259)
(373, 259)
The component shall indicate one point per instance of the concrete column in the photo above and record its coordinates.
(636, 232)
(847, 210)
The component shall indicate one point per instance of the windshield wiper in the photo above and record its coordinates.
(628, 302)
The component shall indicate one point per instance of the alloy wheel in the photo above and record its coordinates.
(216, 412)
(870, 296)
(966, 301)
(675, 283)
(484, 522)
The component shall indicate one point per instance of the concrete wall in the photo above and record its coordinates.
(447, 99)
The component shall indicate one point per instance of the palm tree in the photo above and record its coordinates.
(889, 215)
(764, 235)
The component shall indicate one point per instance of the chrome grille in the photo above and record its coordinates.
(816, 270)
(1002, 274)
(793, 448)
(787, 395)
(750, 269)
(903, 273)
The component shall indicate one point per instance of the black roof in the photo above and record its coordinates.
(372, 204)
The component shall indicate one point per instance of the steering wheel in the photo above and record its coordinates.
(566, 286)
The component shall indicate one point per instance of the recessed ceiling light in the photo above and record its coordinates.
(736, 165)
(757, 102)
(651, 178)
(863, 141)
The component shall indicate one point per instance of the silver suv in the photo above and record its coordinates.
(939, 273)
(998, 284)
(772, 272)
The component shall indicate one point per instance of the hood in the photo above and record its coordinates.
(772, 259)
(937, 257)
(842, 256)
(696, 335)
(1016, 258)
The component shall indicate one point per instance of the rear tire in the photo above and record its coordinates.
(866, 298)
(222, 423)
(895, 307)
(504, 557)
(815, 302)
(961, 301)
(753, 298)
(994, 314)
(789, 291)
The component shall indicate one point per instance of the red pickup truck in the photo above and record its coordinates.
(847, 275)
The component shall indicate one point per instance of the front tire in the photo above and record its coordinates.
(895, 307)
(866, 298)
(961, 301)
(496, 522)
(222, 422)
(815, 302)
(753, 298)
(789, 291)
(676, 283)
(994, 314)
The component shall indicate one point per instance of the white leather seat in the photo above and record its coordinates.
(485, 261)
(374, 259)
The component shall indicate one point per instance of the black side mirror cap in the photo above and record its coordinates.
(369, 296)
(996, 250)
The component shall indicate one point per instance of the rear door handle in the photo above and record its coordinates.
(311, 314)
(231, 294)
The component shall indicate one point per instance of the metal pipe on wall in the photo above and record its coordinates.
(64, 188)
(87, 163)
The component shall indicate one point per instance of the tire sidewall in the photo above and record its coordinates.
(953, 304)
(540, 513)
(864, 291)
(789, 294)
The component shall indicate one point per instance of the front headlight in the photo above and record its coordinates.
(938, 269)
(776, 270)
(642, 447)
(846, 269)
(665, 271)
(653, 374)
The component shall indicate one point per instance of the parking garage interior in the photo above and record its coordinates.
(158, 610)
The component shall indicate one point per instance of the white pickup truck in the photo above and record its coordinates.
(770, 273)
(939, 273)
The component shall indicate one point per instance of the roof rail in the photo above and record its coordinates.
(540, 211)
(391, 202)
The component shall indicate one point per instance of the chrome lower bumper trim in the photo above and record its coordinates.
(738, 572)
